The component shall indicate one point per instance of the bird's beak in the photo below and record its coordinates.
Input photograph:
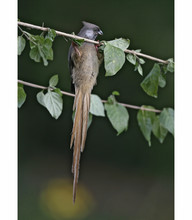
(100, 32)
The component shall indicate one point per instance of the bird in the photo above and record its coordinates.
(84, 61)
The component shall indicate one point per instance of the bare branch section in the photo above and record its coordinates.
(87, 40)
(71, 94)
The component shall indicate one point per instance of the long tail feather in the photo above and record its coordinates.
(86, 105)
(78, 96)
(79, 132)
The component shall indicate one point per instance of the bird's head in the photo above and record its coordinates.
(90, 31)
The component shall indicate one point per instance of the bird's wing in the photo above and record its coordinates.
(71, 65)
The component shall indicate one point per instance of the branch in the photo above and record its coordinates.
(87, 40)
(104, 101)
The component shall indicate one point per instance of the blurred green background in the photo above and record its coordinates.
(120, 176)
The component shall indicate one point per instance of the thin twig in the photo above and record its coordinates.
(104, 101)
(42, 87)
(27, 35)
(146, 56)
(87, 40)
(57, 32)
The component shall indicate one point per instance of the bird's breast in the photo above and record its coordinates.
(86, 65)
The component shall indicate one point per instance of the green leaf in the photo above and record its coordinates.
(57, 90)
(111, 100)
(164, 69)
(138, 50)
(42, 55)
(20, 85)
(152, 81)
(141, 61)
(114, 59)
(54, 103)
(34, 54)
(102, 46)
(96, 106)
(166, 119)
(118, 116)
(162, 81)
(21, 96)
(145, 121)
(51, 34)
(115, 93)
(170, 66)
(53, 81)
(21, 44)
(90, 120)
(121, 43)
(47, 49)
(140, 70)
(41, 48)
(158, 130)
(40, 98)
(35, 40)
(78, 42)
(136, 65)
(131, 58)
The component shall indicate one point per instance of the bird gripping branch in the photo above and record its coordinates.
(84, 68)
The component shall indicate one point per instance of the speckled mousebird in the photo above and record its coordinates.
(84, 68)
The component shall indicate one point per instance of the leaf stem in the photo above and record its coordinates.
(88, 40)
(27, 35)
(73, 95)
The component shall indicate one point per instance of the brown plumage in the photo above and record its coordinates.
(84, 66)
(79, 132)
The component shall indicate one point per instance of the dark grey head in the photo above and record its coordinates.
(89, 31)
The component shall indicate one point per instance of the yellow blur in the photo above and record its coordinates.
(56, 200)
